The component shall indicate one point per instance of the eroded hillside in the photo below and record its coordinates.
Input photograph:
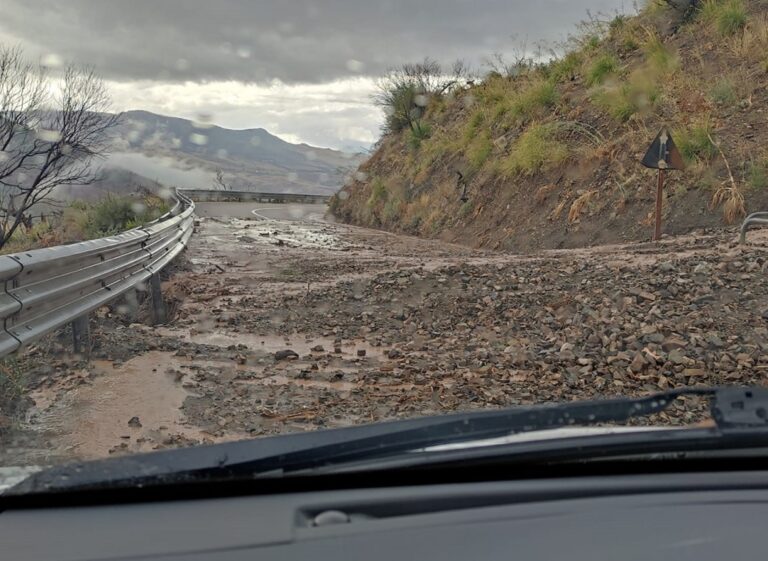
(550, 153)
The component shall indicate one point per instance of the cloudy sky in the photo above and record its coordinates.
(302, 69)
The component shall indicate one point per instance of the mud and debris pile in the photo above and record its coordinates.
(375, 326)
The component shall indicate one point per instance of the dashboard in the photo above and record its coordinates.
(703, 516)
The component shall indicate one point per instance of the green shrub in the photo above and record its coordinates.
(466, 208)
(729, 17)
(660, 59)
(479, 150)
(537, 148)
(757, 175)
(622, 102)
(694, 143)
(539, 95)
(420, 132)
(565, 68)
(378, 192)
(723, 92)
(601, 68)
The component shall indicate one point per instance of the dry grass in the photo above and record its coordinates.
(579, 204)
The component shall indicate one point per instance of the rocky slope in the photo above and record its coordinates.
(550, 153)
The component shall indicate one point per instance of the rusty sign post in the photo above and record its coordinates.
(662, 155)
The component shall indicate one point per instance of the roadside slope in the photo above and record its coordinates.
(550, 154)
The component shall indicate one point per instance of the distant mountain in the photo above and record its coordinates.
(182, 153)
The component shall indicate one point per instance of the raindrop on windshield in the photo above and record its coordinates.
(355, 65)
(199, 139)
(48, 135)
(182, 64)
(293, 176)
(244, 52)
(51, 60)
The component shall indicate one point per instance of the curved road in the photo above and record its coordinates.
(262, 211)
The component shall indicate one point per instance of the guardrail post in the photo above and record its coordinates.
(158, 306)
(81, 335)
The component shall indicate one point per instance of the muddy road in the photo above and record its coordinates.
(282, 322)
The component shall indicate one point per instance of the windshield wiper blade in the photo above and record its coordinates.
(732, 408)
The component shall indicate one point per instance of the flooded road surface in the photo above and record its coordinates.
(133, 406)
(293, 325)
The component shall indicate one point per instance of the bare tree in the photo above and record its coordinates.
(218, 181)
(47, 139)
(404, 92)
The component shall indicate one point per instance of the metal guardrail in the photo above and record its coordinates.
(44, 289)
(754, 218)
(215, 195)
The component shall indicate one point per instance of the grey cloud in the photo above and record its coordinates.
(293, 41)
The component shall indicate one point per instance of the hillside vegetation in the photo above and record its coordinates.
(549, 153)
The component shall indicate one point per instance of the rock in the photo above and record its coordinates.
(638, 363)
(134, 422)
(694, 372)
(673, 342)
(714, 340)
(287, 354)
(360, 352)
(394, 353)
(676, 357)
(702, 269)
(317, 349)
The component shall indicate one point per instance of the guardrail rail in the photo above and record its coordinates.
(751, 220)
(44, 289)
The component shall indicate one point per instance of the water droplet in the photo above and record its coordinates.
(199, 139)
(361, 176)
(221, 153)
(51, 60)
(47, 135)
(203, 121)
(354, 65)
(255, 141)
(138, 208)
(421, 100)
(244, 52)
(165, 193)
(343, 195)
(182, 64)
(311, 155)
(293, 176)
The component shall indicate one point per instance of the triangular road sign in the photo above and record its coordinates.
(663, 154)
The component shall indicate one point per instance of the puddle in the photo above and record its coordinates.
(93, 417)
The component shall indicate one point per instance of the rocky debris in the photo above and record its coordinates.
(134, 422)
(286, 354)
(445, 329)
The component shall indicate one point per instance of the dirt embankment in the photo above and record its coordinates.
(284, 327)
(549, 155)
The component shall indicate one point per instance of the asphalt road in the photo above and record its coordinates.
(262, 211)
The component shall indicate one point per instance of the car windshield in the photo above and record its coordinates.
(228, 220)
